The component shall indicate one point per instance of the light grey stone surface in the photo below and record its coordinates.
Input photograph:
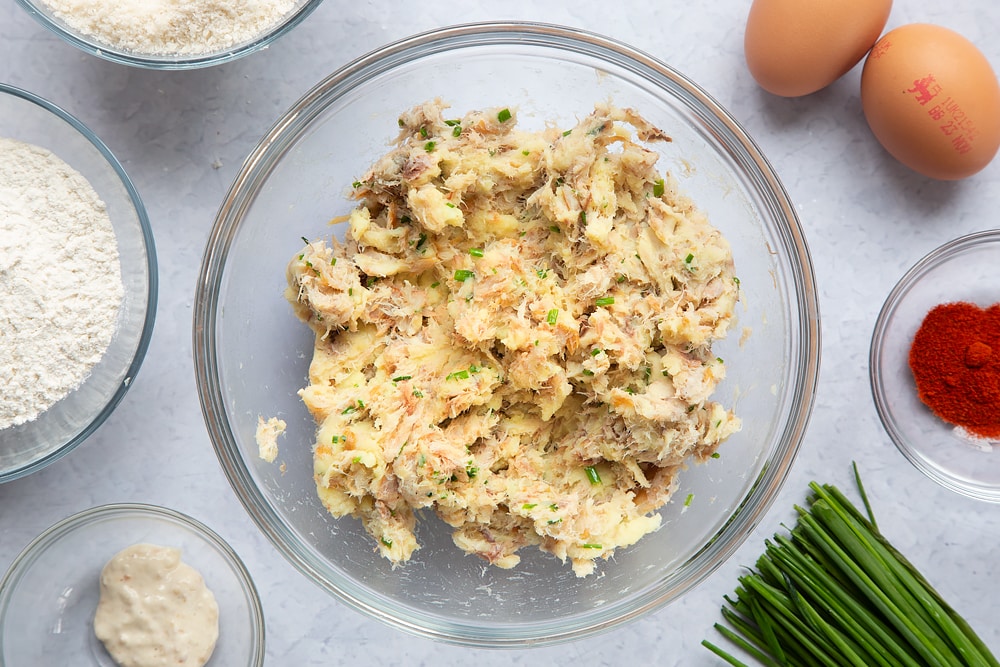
(183, 135)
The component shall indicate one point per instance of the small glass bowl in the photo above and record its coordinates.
(966, 269)
(88, 43)
(49, 595)
(30, 446)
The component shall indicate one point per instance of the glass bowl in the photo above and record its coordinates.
(44, 14)
(966, 269)
(252, 354)
(30, 446)
(49, 595)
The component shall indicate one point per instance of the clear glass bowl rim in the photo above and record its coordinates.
(926, 264)
(38, 545)
(151, 295)
(166, 62)
(284, 133)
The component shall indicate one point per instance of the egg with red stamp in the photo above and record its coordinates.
(932, 100)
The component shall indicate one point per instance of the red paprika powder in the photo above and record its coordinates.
(955, 360)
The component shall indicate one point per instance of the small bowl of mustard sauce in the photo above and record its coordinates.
(50, 595)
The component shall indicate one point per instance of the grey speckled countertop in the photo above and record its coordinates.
(183, 135)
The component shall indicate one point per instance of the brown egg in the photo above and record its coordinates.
(932, 100)
(796, 47)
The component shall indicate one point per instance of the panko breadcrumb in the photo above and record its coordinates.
(517, 334)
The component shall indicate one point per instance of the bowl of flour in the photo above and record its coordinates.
(77, 282)
(170, 34)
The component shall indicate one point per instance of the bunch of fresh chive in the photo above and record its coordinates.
(835, 592)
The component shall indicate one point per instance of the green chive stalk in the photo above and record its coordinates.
(835, 592)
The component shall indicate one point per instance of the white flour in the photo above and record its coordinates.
(60, 280)
(171, 27)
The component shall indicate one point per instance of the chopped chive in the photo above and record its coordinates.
(449, 204)
(333, 261)
(304, 240)
(553, 316)
(461, 275)
(596, 351)
(567, 133)
(658, 188)
(349, 409)
(452, 123)
(591, 545)
(423, 131)
(528, 506)
(456, 131)
(621, 278)
(435, 284)
(525, 152)
(736, 280)
(592, 475)
(400, 122)
(587, 372)
(429, 146)
(689, 258)
(604, 301)
(716, 455)
(400, 378)
(583, 217)
(553, 507)
(504, 115)
(476, 252)
(687, 501)
(418, 394)
(387, 542)
(421, 240)
(554, 228)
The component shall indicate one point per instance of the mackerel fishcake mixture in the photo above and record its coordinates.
(516, 334)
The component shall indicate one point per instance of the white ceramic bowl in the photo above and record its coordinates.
(49, 595)
(252, 354)
(30, 446)
(965, 269)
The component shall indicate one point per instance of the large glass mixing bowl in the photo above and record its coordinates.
(252, 354)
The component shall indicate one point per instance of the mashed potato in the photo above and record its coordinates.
(517, 335)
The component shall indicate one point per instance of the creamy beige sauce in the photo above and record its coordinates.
(155, 610)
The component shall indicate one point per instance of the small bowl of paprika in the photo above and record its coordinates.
(935, 365)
